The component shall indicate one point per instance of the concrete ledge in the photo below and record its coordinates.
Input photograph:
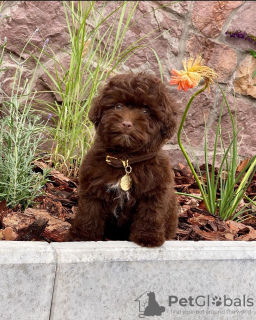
(27, 273)
(180, 280)
(74, 252)
(122, 281)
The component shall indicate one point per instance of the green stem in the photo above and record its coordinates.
(183, 150)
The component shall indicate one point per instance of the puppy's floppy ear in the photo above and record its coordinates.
(171, 110)
(95, 111)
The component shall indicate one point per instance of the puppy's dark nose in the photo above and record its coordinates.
(127, 125)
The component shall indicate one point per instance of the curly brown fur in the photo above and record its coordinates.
(133, 115)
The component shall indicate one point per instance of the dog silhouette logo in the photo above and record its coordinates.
(148, 306)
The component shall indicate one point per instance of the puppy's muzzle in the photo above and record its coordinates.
(127, 126)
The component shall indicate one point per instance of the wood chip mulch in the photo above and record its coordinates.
(195, 223)
(49, 219)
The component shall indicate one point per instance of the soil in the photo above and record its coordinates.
(50, 217)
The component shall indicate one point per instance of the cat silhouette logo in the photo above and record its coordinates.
(148, 306)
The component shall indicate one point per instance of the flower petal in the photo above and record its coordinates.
(192, 74)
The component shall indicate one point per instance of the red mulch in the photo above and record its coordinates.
(50, 218)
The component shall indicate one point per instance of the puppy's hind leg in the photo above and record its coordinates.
(89, 222)
(171, 221)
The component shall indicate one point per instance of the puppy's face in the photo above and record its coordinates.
(134, 112)
(128, 127)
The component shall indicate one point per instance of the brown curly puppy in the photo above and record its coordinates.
(126, 180)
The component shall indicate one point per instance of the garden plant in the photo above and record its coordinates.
(98, 50)
(21, 136)
(91, 62)
(227, 203)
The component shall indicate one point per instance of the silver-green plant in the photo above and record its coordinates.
(98, 49)
(20, 138)
(21, 133)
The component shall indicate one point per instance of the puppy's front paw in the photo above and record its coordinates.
(146, 241)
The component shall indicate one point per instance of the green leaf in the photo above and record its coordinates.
(253, 53)
(254, 74)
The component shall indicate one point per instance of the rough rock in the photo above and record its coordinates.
(209, 16)
(179, 7)
(244, 18)
(244, 83)
(55, 69)
(208, 105)
(173, 29)
(23, 19)
(246, 119)
(157, 32)
(176, 156)
(10, 78)
(198, 115)
(220, 57)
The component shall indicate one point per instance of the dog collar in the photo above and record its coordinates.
(119, 163)
(126, 180)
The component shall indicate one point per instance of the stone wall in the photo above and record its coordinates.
(177, 30)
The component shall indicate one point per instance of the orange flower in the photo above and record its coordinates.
(192, 74)
(185, 80)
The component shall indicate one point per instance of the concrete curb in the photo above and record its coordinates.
(27, 273)
(122, 281)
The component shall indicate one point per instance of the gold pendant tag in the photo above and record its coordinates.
(126, 182)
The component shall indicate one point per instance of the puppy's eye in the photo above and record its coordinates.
(145, 111)
(118, 106)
